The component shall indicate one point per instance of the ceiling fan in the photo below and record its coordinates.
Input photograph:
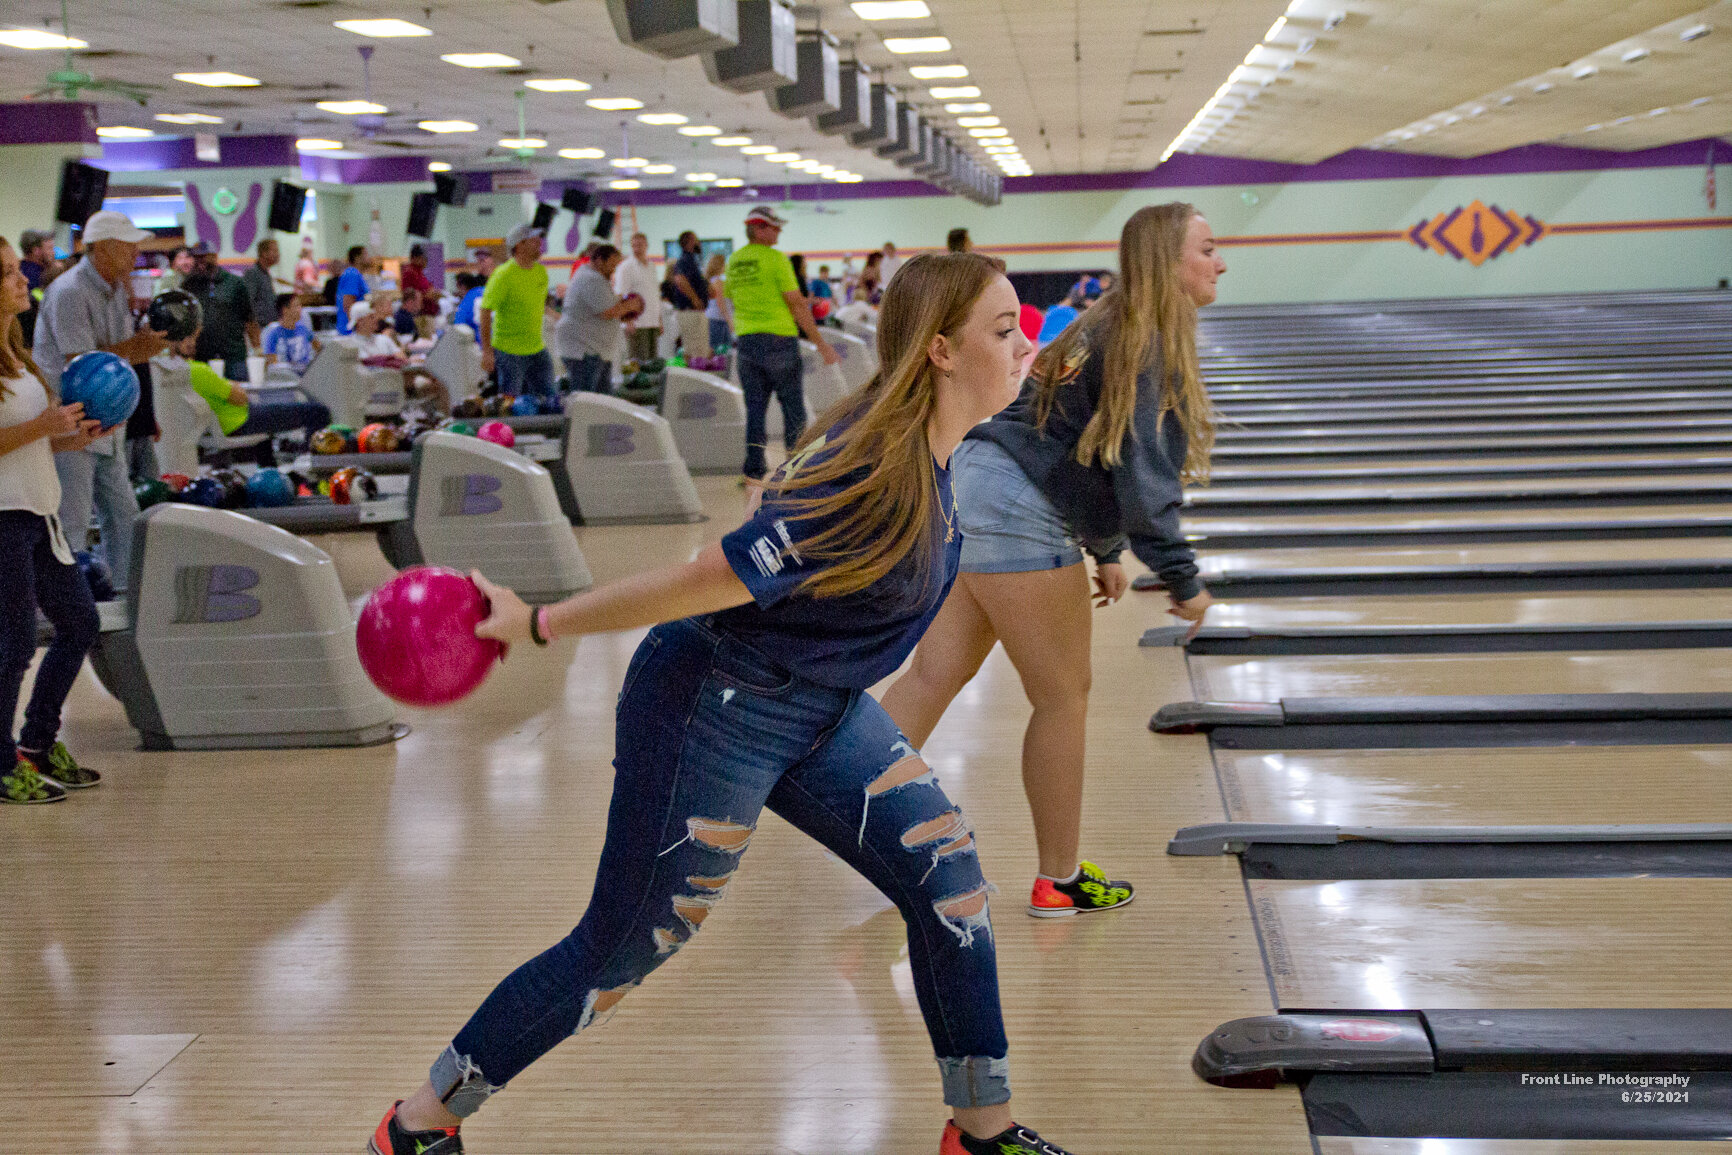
(68, 82)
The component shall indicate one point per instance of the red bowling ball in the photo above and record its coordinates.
(416, 637)
(499, 433)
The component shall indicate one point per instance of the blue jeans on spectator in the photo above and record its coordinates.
(272, 417)
(525, 373)
(709, 732)
(718, 334)
(768, 365)
(588, 374)
(98, 481)
(31, 576)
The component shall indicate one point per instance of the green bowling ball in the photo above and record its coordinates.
(150, 493)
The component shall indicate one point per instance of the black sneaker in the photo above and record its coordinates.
(1091, 891)
(391, 1139)
(1013, 1140)
(58, 764)
(26, 786)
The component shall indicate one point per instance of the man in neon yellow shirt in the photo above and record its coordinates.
(770, 313)
(510, 313)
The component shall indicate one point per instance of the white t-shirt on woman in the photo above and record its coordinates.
(27, 477)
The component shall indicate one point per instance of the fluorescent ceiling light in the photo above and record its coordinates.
(663, 118)
(382, 28)
(977, 106)
(614, 103)
(582, 153)
(700, 176)
(628, 162)
(851, 178)
(481, 60)
(1634, 55)
(350, 107)
(560, 84)
(522, 142)
(123, 132)
(903, 45)
(1695, 32)
(218, 79)
(438, 166)
(447, 126)
(985, 132)
(732, 141)
(1584, 72)
(760, 149)
(964, 92)
(33, 38)
(188, 118)
(313, 144)
(978, 121)
(782, 157)
(891, 9)
(658, 169)
(992, 148)
(624, 184)
(730, 182)
(938, 71)
(700, 130)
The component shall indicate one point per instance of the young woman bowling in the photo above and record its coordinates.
(751, 693)
(1093, 454)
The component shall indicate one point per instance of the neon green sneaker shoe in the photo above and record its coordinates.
(25, 785)
(58, 764)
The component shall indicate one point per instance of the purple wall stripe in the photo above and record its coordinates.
(48, 122)
(366, 169)
(180, 152)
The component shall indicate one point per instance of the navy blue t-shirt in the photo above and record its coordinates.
(849, 642)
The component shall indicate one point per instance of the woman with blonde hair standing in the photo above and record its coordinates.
(1092, 456)
(751, 693)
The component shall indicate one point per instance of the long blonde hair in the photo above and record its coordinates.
(1147, 305)
(14, 357)
(880, 431)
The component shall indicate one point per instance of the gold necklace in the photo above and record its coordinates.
(949, 518)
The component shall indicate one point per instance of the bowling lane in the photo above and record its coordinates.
(1334, 1145)
(1502, 943)
(1613, 487)
(1563, 608)
(1655, 463)
(1486, 553)
(1263, 679)
(1520, 786)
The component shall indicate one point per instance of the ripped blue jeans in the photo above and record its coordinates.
(709, 732)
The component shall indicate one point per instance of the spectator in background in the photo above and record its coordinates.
(511, 312)
(889, 265)
(470, 285)
(485, 261)
(636, 274)
(261, 285)
(715, 270)
(820, 285)
(957, 241)
(871, 285)
(306, 269)
(404, 318)
(798, 262)
(180, 266)
(37, 249)
(90, 307)
(691, 297)
(369, 334)
(588, 330)
(237, 414)
(351, 287)
(229, 327)
(289, 339)
(414, 276)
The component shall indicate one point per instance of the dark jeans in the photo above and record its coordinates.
(527, 373)
(718, 334)
(588, 374)
(708, 732)
(770, 365)
(280, 417)
(31, 576)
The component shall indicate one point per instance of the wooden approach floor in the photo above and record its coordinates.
(227, 953)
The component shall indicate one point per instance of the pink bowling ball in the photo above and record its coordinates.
(499, 433)
(416, 637)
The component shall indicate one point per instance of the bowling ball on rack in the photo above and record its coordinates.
(499, 433)
(553, 406)
(203, 491)
(268, 489)
(416, 637)
(379, 438)
(527, 405)
(467, 428)
(175, 481)
(341, 483)
(468, 407)
(234, 488)
(175, 314)
(104, 384)
(149, 493)
(497, 405)
(328, 440)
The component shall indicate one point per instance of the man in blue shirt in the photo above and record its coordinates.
(351, 287)
(289, 339)
(691, 296)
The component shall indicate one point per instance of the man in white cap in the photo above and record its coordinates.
(90, 307)
(511, 311)
(770, 313)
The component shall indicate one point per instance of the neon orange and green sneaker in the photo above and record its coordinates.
(1013, 1140)
(392, 1139)
(26, 786)
(1089, 892)
(57, 763)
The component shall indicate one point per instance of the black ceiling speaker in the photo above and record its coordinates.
(819, 87)
(764, 57)
(452, 188)
(82, 188)
(881, 115)
(675, 28)
(577, 200)
(423, 211)
(288, 201)
(855, 112)
(544, 214)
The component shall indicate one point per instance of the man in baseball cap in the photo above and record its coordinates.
(111, 226)
(510, 312)
(770, 314)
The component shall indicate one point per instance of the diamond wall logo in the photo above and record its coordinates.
(1476, 233)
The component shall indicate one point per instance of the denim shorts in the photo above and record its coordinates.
(1007, 524)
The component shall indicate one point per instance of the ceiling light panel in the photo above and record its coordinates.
(123, 132)
(891, 9)
(732, 141)
(316, 144)
(977, 106)
(381, 29)
(614, 103)
(34, 39)
(188, 118)
(446, 126)
(218, 79)
(556, 84)
(910, 45)
(582, 153)
(938, 71)
(351, 107)
(700, 130)
(481, 60)
(955, 92)
(663, 118)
